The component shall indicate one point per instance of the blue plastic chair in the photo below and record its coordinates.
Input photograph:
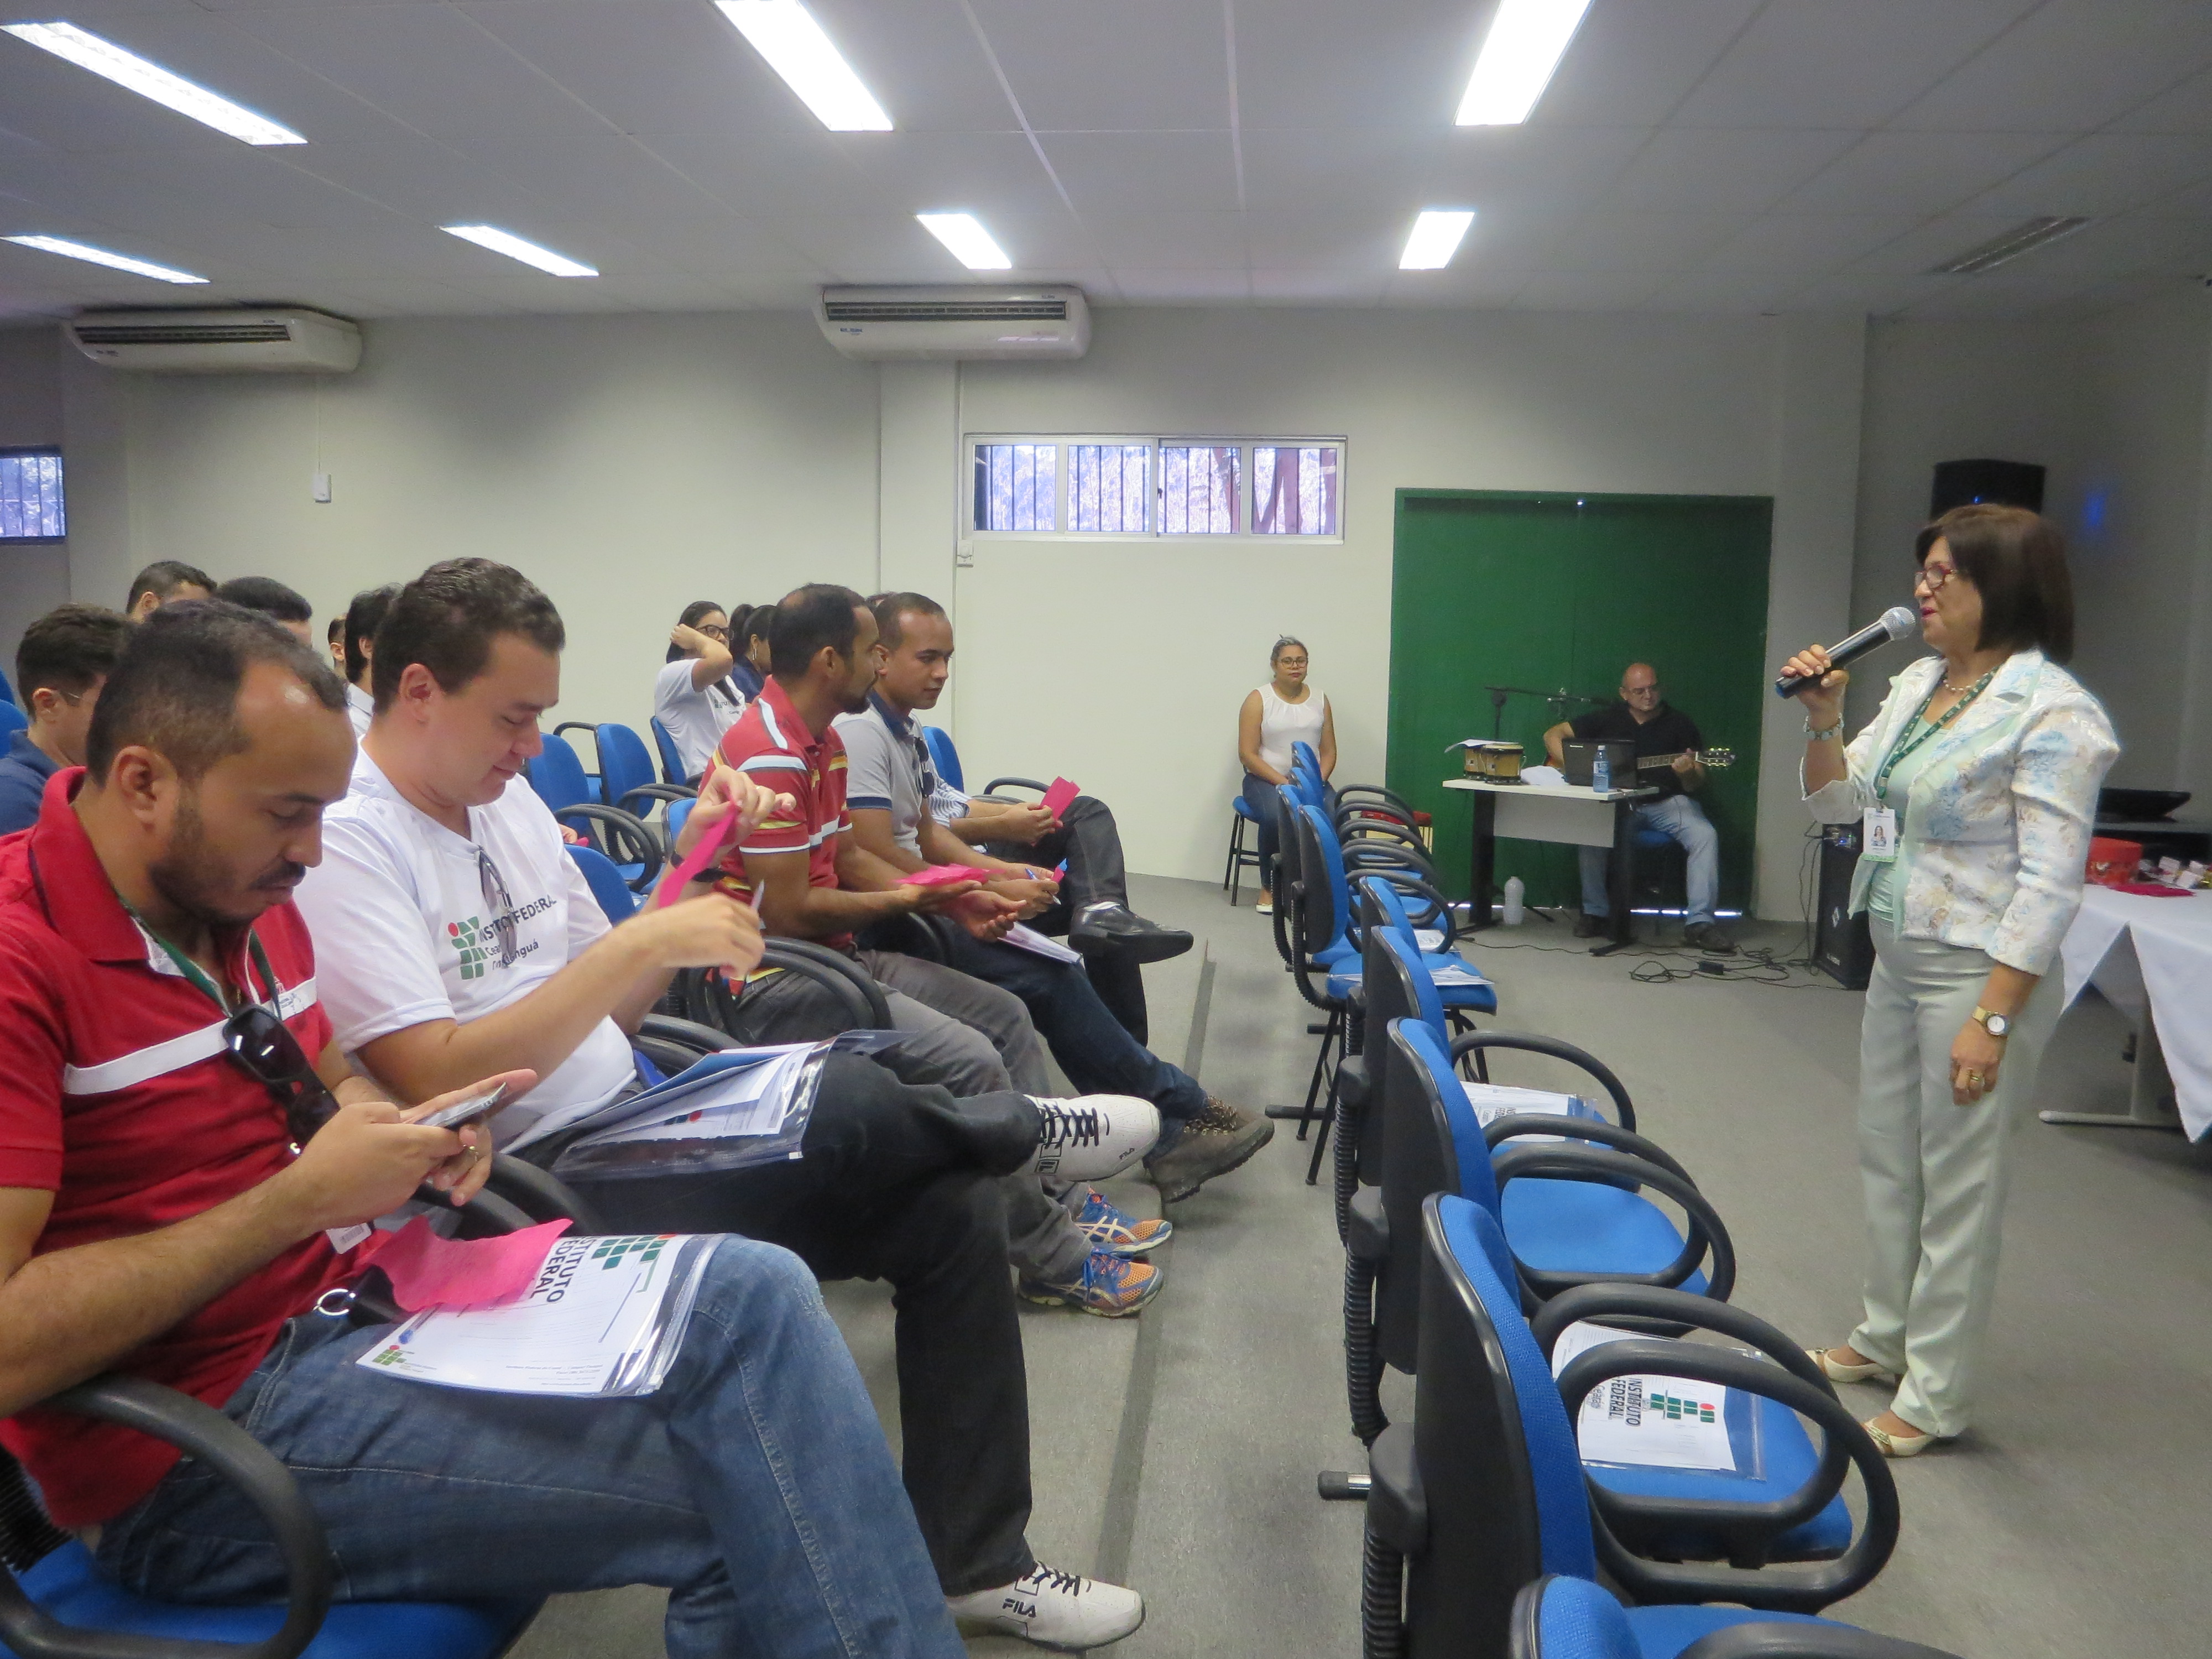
(671, 763)
(944, 756)
(606, 884)
(1559, 1618)
(1486, 1491)
(1241, 857)
(561, 783)
(626, 779)
(12, 720)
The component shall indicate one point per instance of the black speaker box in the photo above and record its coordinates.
(1843, 946)
(2006, 483)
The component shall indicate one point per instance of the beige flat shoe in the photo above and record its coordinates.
(1836, 1372)
(1892, 1445)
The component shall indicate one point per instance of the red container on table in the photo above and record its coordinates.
(2112, 862)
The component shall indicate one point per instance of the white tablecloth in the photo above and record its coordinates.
(2153, 956)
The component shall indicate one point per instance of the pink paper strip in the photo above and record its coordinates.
(940, 875)
(709, 850)
(429, 1270)
(1058, 799)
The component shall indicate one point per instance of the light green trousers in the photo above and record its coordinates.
(1934, 1171)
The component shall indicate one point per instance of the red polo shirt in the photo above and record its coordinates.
(116, 1097)
(771, 744)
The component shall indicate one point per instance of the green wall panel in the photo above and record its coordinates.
(1562, 591)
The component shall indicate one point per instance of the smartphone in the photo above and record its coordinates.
(465, 1111)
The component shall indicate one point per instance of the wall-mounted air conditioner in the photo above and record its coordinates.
(916, 323)
(265, 342)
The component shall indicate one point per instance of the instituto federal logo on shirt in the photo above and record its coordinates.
(464, 938)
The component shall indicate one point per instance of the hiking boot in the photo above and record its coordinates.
(1213, 1143)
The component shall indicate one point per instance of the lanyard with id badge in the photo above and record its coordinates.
(1878, 830)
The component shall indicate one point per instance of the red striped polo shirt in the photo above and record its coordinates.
(772, 745)
(116, 1097)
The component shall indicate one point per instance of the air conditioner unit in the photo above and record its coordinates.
(273, 342)
(920, 323)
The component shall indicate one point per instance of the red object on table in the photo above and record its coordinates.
(1058, 799)
(2151, 890)
(2113, 862)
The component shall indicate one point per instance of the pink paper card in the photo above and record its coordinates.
(696, 861)
(1059, 796)
(942, 875)
(427, 1271)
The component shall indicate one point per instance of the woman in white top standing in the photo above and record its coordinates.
(693, 696)
(1285, 711)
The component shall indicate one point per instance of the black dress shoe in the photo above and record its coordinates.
(1589, 926)
(1118, 927)
(1707, 937)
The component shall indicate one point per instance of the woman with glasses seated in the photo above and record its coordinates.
(1285, 711)
(693, 697)
(1975, 788)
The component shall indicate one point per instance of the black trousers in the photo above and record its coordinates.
(898, 1182)
(1090, 841)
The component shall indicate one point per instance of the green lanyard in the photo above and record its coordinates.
(192, 971)
(1918, 732)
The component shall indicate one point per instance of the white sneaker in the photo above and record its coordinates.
(1063, 1611)
(1092, 1137)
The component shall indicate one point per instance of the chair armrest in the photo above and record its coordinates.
(1779, 1641)
(207, 1435)
(1566, 1162)
(1531, 1043)
(997, 784)
(865, 1009)
(702, 1040)
(540, 1196)
(653, 791)
(591, 727)
(625, 840)
(1349, 794)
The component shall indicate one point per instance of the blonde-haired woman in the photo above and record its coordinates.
(1975, 787)
(1285, 711)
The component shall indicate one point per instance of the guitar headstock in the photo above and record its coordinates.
(1716, 760)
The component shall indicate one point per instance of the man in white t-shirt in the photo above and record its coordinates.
(455, 925)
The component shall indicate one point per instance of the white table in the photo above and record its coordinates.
(2152, 959)
(1571, 814)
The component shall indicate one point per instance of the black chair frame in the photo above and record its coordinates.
(622, 836)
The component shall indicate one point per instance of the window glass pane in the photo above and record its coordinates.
(31, 498)
(1198, 490)
(1294, 490)
(1106, 487)
(1014, 486)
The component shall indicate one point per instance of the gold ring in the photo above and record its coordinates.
(1974, 1077)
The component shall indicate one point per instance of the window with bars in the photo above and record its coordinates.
(31, 505)
(1126, 486)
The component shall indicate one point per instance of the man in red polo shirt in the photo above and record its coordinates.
(186, 1164)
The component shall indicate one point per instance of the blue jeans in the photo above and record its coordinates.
(1267, 812)
(1681, 820)
(1097, 1055)
(755, 1485)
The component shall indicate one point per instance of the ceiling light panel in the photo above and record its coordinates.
(506, 242)
(785, 32)
(1526, 42)
(151, 80)
(970, 243)
(1436, 238)
(2023, 238)
(101, 256)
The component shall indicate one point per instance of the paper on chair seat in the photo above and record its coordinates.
(1429, 940)
(1656, 1422)
(604, 1318)
(1492, 1101)
(1457, 974)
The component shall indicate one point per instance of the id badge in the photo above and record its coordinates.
(1878, 836)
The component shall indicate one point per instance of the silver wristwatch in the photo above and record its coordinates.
(1995, 1025)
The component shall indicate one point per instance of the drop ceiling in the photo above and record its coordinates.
(1696, 155)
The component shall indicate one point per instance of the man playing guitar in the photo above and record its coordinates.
(1661, 734)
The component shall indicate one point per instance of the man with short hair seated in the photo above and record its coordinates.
(890, 780)
(363, 617)
(61, 663)
(272, 598)
(460, 938)
(174, 1210)
(166, 582)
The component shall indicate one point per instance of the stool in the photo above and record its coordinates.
(1662, 871)
(1241, 857)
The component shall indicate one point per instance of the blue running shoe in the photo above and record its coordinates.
(1116, 1233)
(1108, 1286)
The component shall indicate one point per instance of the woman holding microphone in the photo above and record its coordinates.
(1975, 787)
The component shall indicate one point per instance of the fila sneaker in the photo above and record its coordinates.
(1091, 1136)
(1063, 1611)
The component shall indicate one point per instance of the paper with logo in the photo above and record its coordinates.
(1648, 1421)
(944, 875)
(728, 1111)
(427, 1271)
(604, 1318)
(1059, 797)
(1028, 939)
(1492, 1101)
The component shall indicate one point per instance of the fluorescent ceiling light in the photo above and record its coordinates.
(970, 243)
(101, 256)
(2022, 238)
(1434, 239)
(149, 80)
(503, 241)
(785, 32)
(1526, 42)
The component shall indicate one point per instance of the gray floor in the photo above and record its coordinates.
(1177, 1450)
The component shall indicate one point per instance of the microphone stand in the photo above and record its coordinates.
(1558, 700)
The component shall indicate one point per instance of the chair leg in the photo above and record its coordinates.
(1381, 1601)
(1363, 1355)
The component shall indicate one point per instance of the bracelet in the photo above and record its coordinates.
(1831, 735)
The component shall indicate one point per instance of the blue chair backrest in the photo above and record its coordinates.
(1332, 858)
(1305, 781)
(671, 763)
(12, 720)
(606, 882)
(1429, 1005)
(624, 765)
(678, 811)
(1480, 1261)
(1577, 1620)
(557, 775)
(945, 757)
(1302, 752)
(1433, 1075)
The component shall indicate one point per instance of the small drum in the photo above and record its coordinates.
(1494, 762)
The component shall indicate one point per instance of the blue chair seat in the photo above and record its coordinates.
(65, 1585)
(1343, 961)
(1786, 1459)
(1585, 1227)
(1662, 1633)
(1242, 808)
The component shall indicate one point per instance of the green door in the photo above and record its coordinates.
(1560, 592)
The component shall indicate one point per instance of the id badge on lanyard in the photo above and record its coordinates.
(1878, 835)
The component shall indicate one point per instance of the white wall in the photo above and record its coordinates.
(33, 576)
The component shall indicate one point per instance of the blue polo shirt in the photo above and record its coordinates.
(23, 773)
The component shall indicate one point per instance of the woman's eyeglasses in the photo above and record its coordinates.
(1932, 576)
(266, 1048)
(715, 633)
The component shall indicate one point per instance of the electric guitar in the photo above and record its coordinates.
(1713, 760)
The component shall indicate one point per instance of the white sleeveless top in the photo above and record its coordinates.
(1282, 724)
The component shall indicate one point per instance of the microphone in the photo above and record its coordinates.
(1896, 623)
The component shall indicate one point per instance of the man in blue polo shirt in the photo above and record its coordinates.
(60, 666)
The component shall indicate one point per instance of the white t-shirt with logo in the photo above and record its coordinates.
(404, 935)
(696, 718)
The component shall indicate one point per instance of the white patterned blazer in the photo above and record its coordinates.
(1994, 831)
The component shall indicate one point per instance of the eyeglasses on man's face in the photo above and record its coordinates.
(1651, 690)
